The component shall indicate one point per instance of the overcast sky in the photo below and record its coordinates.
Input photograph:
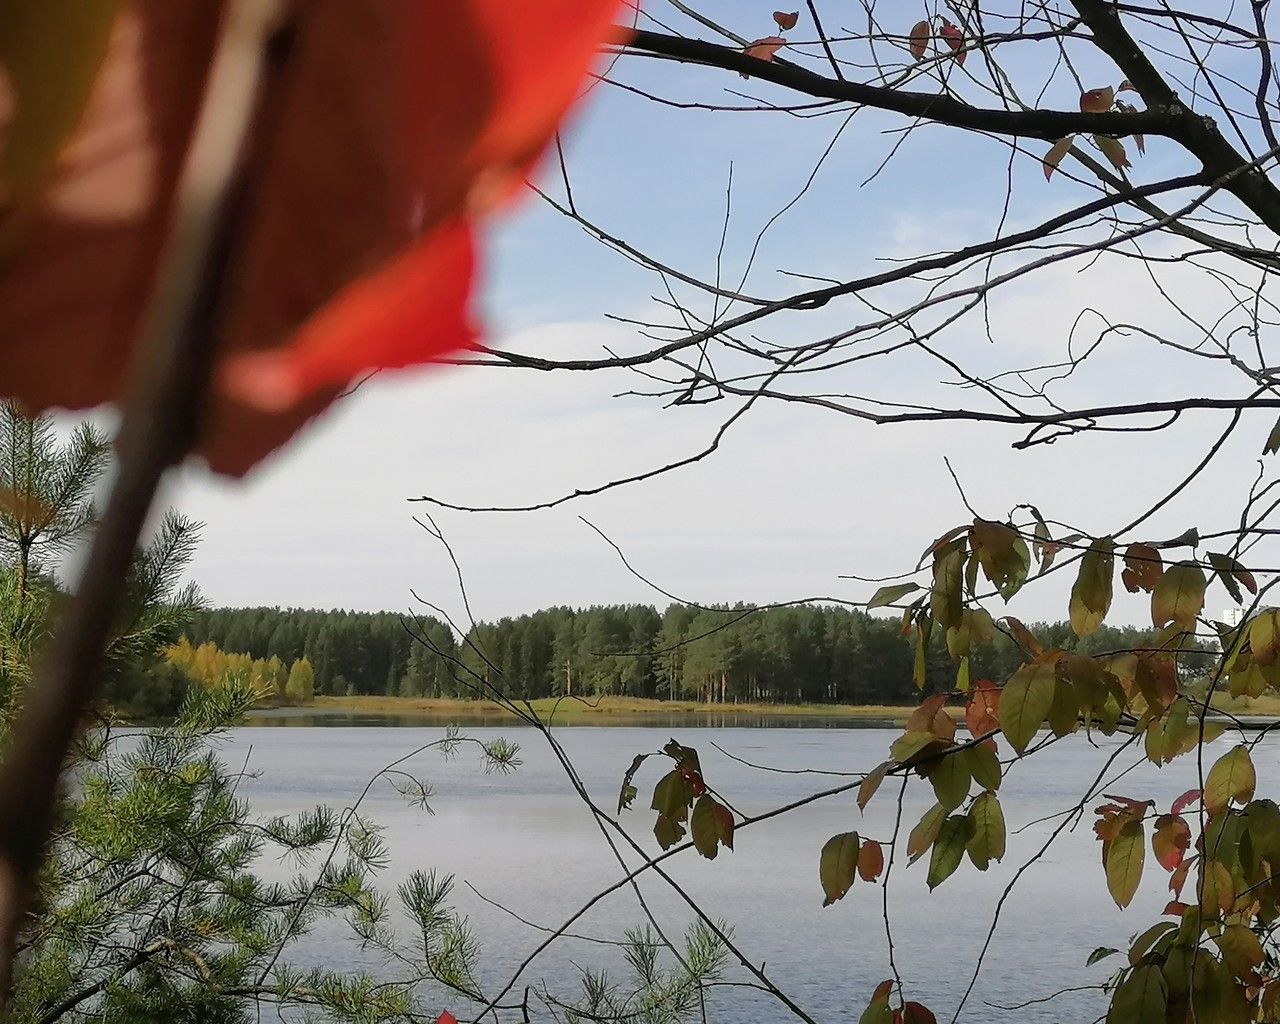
(794, 498)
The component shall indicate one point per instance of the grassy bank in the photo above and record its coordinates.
(600, 707)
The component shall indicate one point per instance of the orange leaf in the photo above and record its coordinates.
(1097, 101)
(766, 48)
(1055, 156)
(983, 711)
(919, 39)
(387, 132)
(870, 860)
(786, 22)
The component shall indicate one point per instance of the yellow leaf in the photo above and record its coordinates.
(50, 52)
(1232, 777)
(1123, 859)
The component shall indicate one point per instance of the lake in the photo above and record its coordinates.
(526, 841)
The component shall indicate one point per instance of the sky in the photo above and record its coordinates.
(794, 499)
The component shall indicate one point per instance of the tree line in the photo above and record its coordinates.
(805, 653)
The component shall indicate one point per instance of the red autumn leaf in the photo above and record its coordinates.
(1097, 101)
(446, 1018)
(870, 860)
(695, 780)
(919, 39)
(1184, 801)
(766, 48)
(1175, 908)
(917, 1013)
(1170, 840)
(786, 22)
(954, 38)
(387, 133)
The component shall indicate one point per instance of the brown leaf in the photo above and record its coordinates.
(1143, 568)
(786, 22)
(1053, 158)
(1097, 101)
(919, 39)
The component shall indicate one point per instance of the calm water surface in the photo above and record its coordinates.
(526, 841)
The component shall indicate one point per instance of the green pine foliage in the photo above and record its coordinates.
(734, 654)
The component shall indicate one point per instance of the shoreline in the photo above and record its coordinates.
(599, 708)
(635, 710)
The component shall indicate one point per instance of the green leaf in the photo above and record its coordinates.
(945, 597)
(1025, 702)
(1273, 440)
(667, 831)
(1179, 596)
(911, 744)
(672, 796)
(950, 779)
(1064, 712)
(926, 831)
(887, 595)
(1091, 594)
(984, 765)
(1232, 777)
(948, 848)
(988, 839)
(1003, 554)
(1123, 859)
(1101, 953)
(877, 1011)
(838, 865)
(1147, 939)
(1141, 998)
(1225, 567)
(711, 826)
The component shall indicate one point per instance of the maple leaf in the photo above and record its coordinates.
(387, 135)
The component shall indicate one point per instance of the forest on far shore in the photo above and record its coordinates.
(796, 654)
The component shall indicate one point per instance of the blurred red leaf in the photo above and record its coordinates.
(1185, 801)
(786, 22)
(386, 134)
(446, 1018)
